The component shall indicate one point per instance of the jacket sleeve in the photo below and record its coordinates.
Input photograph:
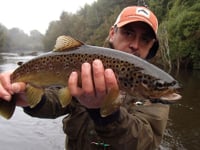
(49, 106)
(141, 129)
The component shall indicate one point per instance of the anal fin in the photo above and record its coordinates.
(33, 95)
(111, 103)
(64, 96)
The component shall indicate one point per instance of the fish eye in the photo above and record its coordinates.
(173, 83)
(159, 84)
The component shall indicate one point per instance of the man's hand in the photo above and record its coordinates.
(7, 89)
(96, 83)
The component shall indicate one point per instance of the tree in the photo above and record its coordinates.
(184, 28)
(35, 41)
(3, 31)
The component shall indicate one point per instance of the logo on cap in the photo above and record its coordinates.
(143, 12)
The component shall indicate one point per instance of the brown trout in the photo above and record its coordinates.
(135, 76)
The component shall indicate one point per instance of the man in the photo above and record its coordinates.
(132, 126)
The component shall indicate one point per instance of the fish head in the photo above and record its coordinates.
(163, 90)
(148, 87)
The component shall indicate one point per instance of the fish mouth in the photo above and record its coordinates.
(171, 97)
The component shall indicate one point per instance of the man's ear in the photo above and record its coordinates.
(111, 33)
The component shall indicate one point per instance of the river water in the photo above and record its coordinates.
(23, 132)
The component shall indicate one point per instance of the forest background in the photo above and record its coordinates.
(179, 30)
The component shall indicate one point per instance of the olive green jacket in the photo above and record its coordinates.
(132, 127)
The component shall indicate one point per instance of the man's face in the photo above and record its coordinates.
(136, 38)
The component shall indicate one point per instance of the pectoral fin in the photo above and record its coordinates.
(64, 96)
(111, 103)
(33, 95)
(7, 108)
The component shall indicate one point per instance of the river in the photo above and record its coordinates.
(26, 133)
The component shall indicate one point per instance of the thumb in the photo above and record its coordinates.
(18, 87)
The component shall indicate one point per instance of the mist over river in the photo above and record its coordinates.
(23, 132)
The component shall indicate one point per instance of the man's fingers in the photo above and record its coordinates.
(73, 85)
(87, 79)
(5, 82)
(110, 79)
(5, 86)
(99, 79)
(18, 87)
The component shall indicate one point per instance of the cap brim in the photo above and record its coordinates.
(134, 19)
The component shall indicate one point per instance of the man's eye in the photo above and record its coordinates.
(129, 33)
(146, 39)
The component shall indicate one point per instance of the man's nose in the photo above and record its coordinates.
(134, 44)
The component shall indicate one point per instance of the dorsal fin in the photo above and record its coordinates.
(66, 43)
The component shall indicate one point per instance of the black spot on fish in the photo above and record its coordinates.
(122, 69)
(145, 82)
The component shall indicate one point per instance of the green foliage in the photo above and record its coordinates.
(90, 24)
(184, 29)
(159, 7)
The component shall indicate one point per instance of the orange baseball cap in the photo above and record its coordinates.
(137, 13)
